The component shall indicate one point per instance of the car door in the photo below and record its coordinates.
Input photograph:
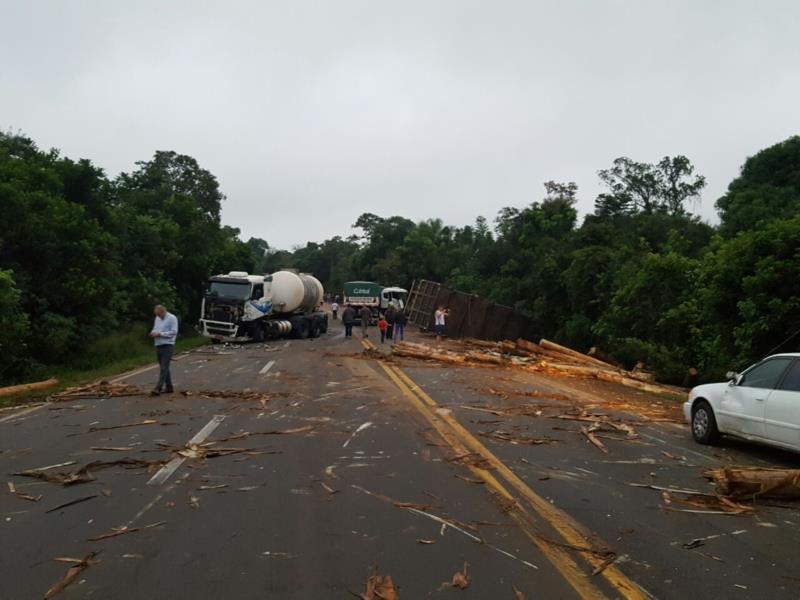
(782, 416)
(743, 405)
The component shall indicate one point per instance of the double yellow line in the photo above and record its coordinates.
(527, 504)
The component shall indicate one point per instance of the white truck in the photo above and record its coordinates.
(241, 307)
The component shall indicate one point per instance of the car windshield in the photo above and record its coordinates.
(240, 291)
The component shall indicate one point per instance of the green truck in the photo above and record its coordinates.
(374, 296)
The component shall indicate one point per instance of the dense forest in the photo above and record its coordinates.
(83, 255)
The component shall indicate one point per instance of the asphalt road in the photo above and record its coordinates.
(335, 466)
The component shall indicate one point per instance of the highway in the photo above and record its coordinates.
(301, 468)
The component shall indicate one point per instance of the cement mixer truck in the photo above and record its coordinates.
(240, 307)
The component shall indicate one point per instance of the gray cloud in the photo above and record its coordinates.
(312, 113)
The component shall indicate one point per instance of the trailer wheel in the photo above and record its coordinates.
(301, 328)
(315, 328)
(324, 324)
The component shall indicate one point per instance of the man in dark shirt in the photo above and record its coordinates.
(366, 315)
(348, 318)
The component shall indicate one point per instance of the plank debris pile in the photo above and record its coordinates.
(751, 483)
(546, 356)
(98, 389)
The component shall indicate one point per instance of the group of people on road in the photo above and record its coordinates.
(391, 324)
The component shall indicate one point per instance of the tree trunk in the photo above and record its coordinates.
(28, 387)
(755, 482)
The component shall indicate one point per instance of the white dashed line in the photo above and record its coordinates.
(266, 367)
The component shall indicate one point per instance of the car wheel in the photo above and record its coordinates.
(704, 425)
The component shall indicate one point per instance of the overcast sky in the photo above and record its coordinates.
(311, 113)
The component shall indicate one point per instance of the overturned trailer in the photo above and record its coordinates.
(470, 315)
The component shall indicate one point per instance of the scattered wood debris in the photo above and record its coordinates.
(589, 433)
(756, 482)
(379, 587)
(117, 531)
(705, 504)
(123, 426)
(470, 479)
(460, 579)
(70, 503)
(231, 395)
(472, 459)
(517, 440)
(246, 434)
(546, 356)
(98, 389)
(72, 573)
(700, 502)
(22, 496)
(85, 473)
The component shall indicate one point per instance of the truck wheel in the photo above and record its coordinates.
(704, 425)
(315, 328)
(324, 324)
(301, 328)
(258, 333)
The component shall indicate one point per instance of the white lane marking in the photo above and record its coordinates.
(168, 469)
(22, 413)
(361, 427)
(133, 373)
(678, 448)
(266, 367)
(156, 500)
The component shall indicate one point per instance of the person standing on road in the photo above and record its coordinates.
(440, 315)
(366, 315)
(390, 315)
(164, 334)
(335, 310)
(383, 326)
(348, 318)
(400, 321)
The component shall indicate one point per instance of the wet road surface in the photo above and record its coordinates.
(308, 465)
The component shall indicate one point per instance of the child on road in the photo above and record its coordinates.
(382, 325)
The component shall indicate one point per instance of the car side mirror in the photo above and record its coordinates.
(733, 377)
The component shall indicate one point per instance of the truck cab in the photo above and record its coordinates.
(233, 303)
(393, 296)
(239, 307)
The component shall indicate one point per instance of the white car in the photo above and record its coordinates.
(761, 404)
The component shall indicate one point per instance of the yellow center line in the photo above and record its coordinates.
(572, 532)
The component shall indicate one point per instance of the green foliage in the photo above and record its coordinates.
(767, 189)
(83, 258)
(662, 187)
(90, 255)
(14, 328)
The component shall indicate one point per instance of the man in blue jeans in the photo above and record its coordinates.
(164, 334)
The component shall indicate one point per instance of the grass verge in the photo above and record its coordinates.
(115, 355)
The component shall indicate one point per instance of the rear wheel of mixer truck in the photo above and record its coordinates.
(301, 328)
(315, 327)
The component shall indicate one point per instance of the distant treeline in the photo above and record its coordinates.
(641, 278)
(82, 255)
